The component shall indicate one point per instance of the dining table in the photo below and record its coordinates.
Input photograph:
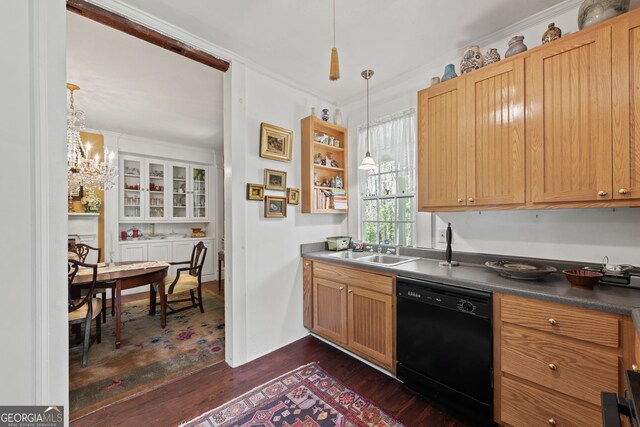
(119, 276)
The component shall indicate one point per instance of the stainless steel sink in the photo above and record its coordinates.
(389, 260)
(350, 255)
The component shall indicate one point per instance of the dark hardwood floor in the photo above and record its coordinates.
(197, 393)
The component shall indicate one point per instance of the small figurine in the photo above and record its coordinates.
(326, 183)
(331, 162)
(318, 160)
(339, 183)
(316, 181)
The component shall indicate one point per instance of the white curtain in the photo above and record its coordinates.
(393, 147)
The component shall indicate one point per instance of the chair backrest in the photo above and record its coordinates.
(82, 251)
(197, 258)
(72, 270)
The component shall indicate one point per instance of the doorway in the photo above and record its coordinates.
(161, 113)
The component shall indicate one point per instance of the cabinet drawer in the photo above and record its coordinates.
(354, 277)
(559, 364)
(524, 406)
(579, 323)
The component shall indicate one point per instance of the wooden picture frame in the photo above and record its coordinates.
(275, 180)
(275, 142)
(293, 196)
(255, 192)
(275, 207)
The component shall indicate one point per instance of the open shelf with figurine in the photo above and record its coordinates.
(324, 167)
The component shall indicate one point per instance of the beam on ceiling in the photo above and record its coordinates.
(113, 20)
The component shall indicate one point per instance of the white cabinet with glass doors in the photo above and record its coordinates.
(142, 189)
(189, 192)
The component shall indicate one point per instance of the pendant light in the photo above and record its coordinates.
(367, 163)
(334, 70)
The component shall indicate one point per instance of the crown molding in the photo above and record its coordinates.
(506, 32)
(163, 27)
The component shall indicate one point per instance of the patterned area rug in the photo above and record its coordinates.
(306, 397)
(149, 356)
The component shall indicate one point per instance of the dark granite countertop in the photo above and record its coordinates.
(554, 287)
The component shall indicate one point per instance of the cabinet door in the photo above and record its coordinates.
(181, 251)
(199, 192)
(330, 310)
(441, 150)
(495, 134)
(626, 108)
(154, 190)
(131, 188)
(133, 252)
(159, 251)
(569, 118)
(209, 268)
(179, 199)
(370, 325)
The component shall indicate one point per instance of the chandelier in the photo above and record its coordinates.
(85, 171)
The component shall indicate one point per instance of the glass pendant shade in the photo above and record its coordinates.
(367, 163)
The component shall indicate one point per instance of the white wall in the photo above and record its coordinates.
(274, 267)
(33, 307)
(572, 234)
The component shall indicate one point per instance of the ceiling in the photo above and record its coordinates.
(133, 87)
(294, 37)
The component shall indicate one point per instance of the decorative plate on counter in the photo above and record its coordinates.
(520, 270)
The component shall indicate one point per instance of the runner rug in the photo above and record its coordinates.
(305, 397)
(149, 356)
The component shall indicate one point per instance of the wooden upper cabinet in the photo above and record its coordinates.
(441, 151)
(330, 310)
(495, 134)
(626, 107)
(569, 118)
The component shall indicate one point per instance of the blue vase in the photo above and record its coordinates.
(449, 72)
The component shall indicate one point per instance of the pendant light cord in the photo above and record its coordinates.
(368, 143)
(334, 23)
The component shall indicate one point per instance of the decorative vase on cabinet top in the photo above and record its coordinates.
(337, 117)
(593, 11)
(449, 72)
(516, 45)
(491, 56)
(552, 33)
(325, 114)
(435, 81)
(472, 59)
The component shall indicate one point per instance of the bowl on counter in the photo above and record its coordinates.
(585, 279)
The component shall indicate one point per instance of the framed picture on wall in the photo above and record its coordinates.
(255, 192)
(275, 180)
(275, 142)
(275, 207)
(77, 194)
(293, 196)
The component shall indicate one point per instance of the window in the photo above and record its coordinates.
(387, 193)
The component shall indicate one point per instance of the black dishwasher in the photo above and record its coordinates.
(444, 345)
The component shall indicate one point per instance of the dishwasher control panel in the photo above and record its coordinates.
(452, 298)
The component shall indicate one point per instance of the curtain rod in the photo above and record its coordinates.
(388, 118)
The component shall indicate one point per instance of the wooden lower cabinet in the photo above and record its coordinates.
(370, 324)
(359, 317)
(548, 369)
(330, 310)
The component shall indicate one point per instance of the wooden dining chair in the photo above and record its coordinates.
(84, 309)
(81, 251)
(187, 279)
